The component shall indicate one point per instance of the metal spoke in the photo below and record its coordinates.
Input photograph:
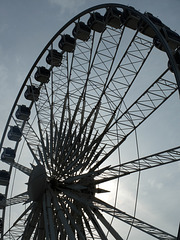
(31, 222)
(75, 219)
(17, 229)
(137, 223)
(155, 160)
(45, 216)
(33, 141)
(20, 167)
(20, 198)
(144, 163)
(107, 225)
(62, 218)
(50, 217)
(139, 111)
(95, 223)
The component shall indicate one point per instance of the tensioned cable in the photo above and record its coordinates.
(118, 180)
(13, 181)
(137, 189)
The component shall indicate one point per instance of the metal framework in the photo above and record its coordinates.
(97, 95)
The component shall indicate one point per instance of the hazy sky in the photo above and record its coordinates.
(25, 28)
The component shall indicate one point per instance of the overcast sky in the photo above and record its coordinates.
(25, 28)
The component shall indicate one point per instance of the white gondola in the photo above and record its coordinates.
(81, 31)
(4, 177)
(23, 112)
(54, 58)
(130, 18)
(14, 133)
(113, 17)
(67, 43)
(32, 93)
(2, 201)
(8, 155)
(96, 22)
(42, 75)
(145, 28)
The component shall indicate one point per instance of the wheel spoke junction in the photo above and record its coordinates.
(86, 96)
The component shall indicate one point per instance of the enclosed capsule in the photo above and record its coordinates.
(145, 28)
(23, 112)
(96, 22)
(67, 43)
(130, 18)
(42, 75)
(4, 177)
(14, 133)
(8, 155)
(54, 58)
(172, 38)
(112, 17)
(81, 31)
(32, 93)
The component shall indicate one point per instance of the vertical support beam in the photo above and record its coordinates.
(45, 218)
(50, 217)
(61, 217)
(95, 223)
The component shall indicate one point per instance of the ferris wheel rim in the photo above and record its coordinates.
(106, 5)
(168, 51)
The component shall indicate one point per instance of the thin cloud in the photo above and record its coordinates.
(71, 6)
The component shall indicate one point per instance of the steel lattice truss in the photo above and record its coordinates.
(82, 117)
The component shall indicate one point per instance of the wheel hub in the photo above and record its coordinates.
(84, 186)
(37, 183)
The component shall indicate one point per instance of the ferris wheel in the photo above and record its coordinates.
(92, 91)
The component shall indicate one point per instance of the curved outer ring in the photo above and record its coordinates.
(142, 16)
(151, 24)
